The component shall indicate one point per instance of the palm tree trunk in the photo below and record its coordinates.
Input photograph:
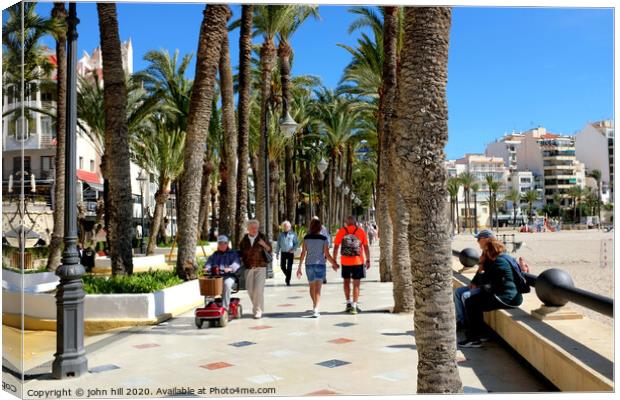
(398, 217)
(458, 218)
(59, 13)
(421, 125)
(117, 138)
(205, 193)
(284, 54)
(229, 175)
(161, 197)
(212, 31)
(243, 114)
(267, 63)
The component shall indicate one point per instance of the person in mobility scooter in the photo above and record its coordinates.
(220, 270)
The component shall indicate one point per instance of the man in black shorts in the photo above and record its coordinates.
(350, 240)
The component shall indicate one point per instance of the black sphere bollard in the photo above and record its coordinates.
(469, 257)
(546, 282)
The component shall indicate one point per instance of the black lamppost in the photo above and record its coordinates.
(141, 179)
(70, 359)
(288, 126)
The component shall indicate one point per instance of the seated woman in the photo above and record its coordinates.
(224, 262)
(498, 291)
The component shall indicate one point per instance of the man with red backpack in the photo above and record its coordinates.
(350, 240)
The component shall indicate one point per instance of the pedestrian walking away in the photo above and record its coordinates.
(315, 251)
(354, 258)
(286, 246)
(253, 247)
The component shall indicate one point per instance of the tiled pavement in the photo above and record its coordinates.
(373, 352)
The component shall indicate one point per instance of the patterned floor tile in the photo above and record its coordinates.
(393, 376)
(103, 368)
(341, 341)
(260, 379)
(146, 345)
(241, 344)
(345, 324)
(261, 327)
(217, 365)
(295, 297)
(286, 305)
(333, 363)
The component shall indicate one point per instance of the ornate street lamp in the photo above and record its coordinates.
(338, 181)
(322, 165)
(142, 178)
(346, 189)
(70, 357)
(288, 126)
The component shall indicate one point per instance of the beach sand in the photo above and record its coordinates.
(588, 256)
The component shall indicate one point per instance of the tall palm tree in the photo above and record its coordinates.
(576, 193)
(494, 187)
(453, 187)
(597, 176)
(285, 52)
(421, 127)
(212, 31)
(116, 168)
(228, 164)
(515, 197)
(467, 179)
(243, 115)
(489, 181)
(530, 197)
(475, 187)
(59, 13)
(158, 149)
(268, 21)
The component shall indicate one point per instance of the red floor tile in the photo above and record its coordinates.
(322, 392)
(217, 365)
(341, 341)
(286, 305)
(146, 345)
(260, 327)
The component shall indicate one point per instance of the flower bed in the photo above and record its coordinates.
(140, 282)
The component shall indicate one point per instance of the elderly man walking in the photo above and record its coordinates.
(286, 246)
(253, 247)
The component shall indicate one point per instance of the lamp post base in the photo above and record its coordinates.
(69, 365)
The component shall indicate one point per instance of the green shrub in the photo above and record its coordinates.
(140, 282)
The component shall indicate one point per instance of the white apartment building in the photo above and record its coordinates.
(506, 148)
(594, 146)
(38, 141)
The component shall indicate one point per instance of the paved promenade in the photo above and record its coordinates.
(285, 352)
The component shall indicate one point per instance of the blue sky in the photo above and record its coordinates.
(509, 68)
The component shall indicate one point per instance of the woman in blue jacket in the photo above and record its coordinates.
(224, 262)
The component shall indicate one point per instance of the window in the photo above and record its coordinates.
(23, 127)
(47, 96)
(526, 180)
(81, 165)
(17, 164)
(46, 125)
(10, 94)
(47, 163)
(92, 165)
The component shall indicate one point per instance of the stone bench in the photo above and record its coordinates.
(573, 352)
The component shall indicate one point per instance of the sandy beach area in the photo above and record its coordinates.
(588, 256)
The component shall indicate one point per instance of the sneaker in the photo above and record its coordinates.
(258, 315)
(316, 314)
(470, 343)
(484, 338)
(349, 308)
(353, 310)
(358, 309)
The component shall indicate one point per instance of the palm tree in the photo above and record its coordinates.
(514, 196)
(453, 187)
(475, 187)
(243, 115)
(158, 149)
(596, 175)
(530, 197)
(116, 168)
(268, 21)
(285, 51)
(59, 13)
(467, 179)
(576, 193)
(212, 31)
(421, 128)
(228, 164)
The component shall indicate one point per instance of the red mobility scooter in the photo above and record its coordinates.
(213, 313)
